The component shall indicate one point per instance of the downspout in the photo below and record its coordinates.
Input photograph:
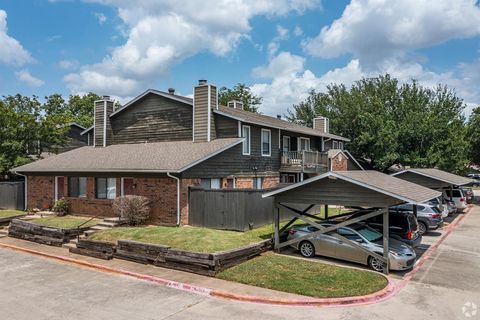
(25, 205)
(178, 196)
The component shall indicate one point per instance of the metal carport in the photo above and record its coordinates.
(371, 189)
(433, 178)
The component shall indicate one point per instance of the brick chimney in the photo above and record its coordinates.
(321, 124)
(205, 100)
(102, 129)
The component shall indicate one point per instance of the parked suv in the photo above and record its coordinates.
(468, 192)
(457, 196)
(443, 208)
(403, 227)
(429, 217)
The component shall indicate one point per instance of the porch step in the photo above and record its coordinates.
(116, 220)
(89, 232)
(107, 224)
(69, 245)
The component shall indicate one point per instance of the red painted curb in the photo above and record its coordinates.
(386, 293)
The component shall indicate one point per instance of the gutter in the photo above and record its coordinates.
(178, 196)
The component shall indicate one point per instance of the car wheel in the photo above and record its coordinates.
(307, 249)
(375, 264)
(422, 228)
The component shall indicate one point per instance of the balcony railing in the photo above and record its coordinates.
(304, 161)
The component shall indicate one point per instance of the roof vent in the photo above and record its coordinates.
(235, 104)
(202, 82)
(105, 97)
(279, 116)
(171, 90)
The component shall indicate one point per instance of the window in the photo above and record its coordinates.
(286, 144)
(303, 144)
(335, 144)
(210, 183)
(257, 183)
(246, 143)
(340, 145)
(106, 188)
(77, 187)
(266, 142)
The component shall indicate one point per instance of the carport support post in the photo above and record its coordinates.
(326, 212)
(415, 210)
(451, 192)
(276, 217)
(386, 224)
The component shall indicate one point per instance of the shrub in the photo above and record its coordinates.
(60, 207)
(134, 209)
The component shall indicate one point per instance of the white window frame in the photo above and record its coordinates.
(219, 183)
(334, 142)
(56, 187)
(289, 143)
(340, 145)
(299, 142)
(245, 142)
(256, 181)
(269, 143)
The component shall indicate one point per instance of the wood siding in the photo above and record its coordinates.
(226, 127)
(315, 142)
(100, 107)
(232, 163)
(154, 119)
(202, 110)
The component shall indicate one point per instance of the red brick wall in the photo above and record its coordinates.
(244, 183)
(40, 191)
(270, 182)
(339, 163)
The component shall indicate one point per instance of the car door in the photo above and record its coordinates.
(325, 244)
(347, 249)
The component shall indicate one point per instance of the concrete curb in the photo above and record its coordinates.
(386, 293)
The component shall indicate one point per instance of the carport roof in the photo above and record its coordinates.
(372, 181)
(438, 175)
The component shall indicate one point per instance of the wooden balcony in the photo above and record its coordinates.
(304, 161)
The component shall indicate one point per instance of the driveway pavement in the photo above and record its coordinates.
(36, 288)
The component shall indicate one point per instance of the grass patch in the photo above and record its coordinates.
(194, 238)
(303, 277)
(66, 222)
(184, 238)
(10, 213)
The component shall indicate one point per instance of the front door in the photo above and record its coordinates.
(128, 186)
(60, 187)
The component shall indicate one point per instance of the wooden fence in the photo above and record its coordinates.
(12, 195)
(230, 209)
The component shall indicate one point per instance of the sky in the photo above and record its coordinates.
(281, 49)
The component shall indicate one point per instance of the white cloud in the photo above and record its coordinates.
(25, 76)
(274, 45)
(377, 29)
(68, 64)
(290, 82)
(100, 17)
(11, 51)
(297, 31)
(163, 33)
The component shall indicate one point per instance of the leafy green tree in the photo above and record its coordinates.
(241, 93)
(473, 134)
(390, 124)
(79, 108)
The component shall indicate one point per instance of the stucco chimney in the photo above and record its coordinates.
(102, 129)
(205, 100)
(321, 124)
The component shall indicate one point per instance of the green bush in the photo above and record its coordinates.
(60, 207)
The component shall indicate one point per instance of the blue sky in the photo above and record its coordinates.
(282, 49)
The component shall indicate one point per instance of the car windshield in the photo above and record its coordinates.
(369, 234)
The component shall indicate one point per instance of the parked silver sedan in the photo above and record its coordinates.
(401, 256)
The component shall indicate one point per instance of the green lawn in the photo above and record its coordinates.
(304, 277)
(66, 222)
(193, 238)
(10, 213)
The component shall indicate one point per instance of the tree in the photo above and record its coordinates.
(241, 93)
(390, 124)
(473, 135)
(79, 108)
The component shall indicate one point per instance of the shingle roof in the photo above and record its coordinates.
(376, 181)
(439, 175)
(159, 157)
(245, 116)
(256, 118)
